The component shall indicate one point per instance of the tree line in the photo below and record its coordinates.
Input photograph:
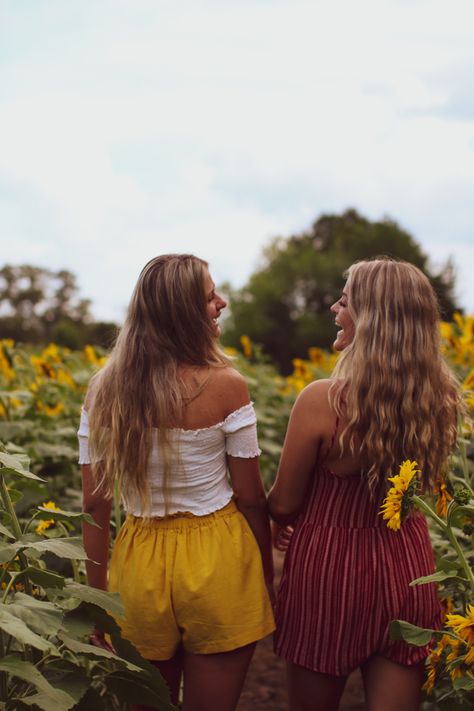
(40, 306)
(284, 306)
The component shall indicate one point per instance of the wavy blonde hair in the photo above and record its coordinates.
(139, 388)
(391, 385)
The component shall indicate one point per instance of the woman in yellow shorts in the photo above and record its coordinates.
(169, 418)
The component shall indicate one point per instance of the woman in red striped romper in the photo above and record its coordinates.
(346, 576)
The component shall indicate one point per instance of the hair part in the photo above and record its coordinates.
(391, 385)
(139, 390)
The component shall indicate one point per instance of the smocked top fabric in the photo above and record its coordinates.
(198, 481)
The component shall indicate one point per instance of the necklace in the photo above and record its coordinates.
(199, 387)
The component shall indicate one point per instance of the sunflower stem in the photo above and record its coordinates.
(429, 511)
(452, 538)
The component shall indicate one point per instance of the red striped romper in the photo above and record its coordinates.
(346, 577)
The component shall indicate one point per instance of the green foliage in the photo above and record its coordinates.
(285, 304)
(39, 305)
(40, 399)
(449, 665)
(46, 660)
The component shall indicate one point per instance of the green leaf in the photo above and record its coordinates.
(464, 683)
(467, 509)
(15, 495)
(71, 548)
(7, 552)
(437, 577)
(38, 576)
(126, 650)
(105, 622)
(134, 688)
(40, 615)
(75, 684)
(17, 460)
(91, 701)
(15, 627)
(41, 700)
(78, 623)
(4, 531)
(412, 634)
(106, 600)
(448, 566)
(61, 515)
(50, 699)
(83, 648)
(15, 464)
(24, 473)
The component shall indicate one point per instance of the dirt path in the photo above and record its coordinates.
(265, 688)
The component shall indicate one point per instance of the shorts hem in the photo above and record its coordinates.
(324, 669)
(230, 643)
(154, 656)
(318, 669)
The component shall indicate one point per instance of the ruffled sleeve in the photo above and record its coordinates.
(240, 429)
(83, 437)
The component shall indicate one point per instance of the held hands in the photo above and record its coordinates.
(281, 536)
(97, 639)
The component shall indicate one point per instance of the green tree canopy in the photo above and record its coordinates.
(285, 304)
(38, 305)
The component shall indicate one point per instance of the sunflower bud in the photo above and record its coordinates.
(462, 496)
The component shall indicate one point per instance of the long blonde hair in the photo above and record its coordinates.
(391, 385)
(139, 388)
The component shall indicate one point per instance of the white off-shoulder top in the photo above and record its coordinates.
(198, 482)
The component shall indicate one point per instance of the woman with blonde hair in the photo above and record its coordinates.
(167, 419)
(391, 398)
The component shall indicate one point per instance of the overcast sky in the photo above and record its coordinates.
(130, 128)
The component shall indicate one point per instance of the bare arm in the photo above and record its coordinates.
(251, 501)
(308, 422)
(96, 540)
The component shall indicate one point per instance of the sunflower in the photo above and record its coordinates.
(44, 524)
(246, 346)
(396, 503)
(444, 497)
(469, 659)
(433, 662)
(463, 625)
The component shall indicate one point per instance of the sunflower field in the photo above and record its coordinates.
(47, 611)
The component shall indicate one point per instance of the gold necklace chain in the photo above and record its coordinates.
(200, 387)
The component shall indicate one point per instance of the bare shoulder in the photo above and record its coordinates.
(312, 410)
(316, 394)
(230, 387)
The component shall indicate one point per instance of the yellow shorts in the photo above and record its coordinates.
(195, 580)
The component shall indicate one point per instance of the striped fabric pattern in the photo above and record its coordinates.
(346, 577)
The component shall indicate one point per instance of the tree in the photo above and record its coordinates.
(38, 305)
(285, 304)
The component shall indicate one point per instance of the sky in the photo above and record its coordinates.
(131, 128)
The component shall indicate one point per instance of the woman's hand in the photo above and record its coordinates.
(97, 639)
(281, 536)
